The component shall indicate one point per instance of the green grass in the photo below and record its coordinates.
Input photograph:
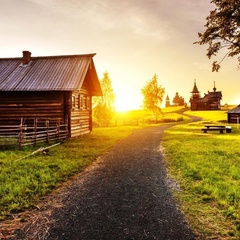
(25, 180)
(142, 117)
(212, 116)
(207, 166)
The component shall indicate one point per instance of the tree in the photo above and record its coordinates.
(222, 30)
(103, 107)
(153, 96)
(181, 101)
(178, 100)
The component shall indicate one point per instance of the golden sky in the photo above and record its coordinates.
(133, 40)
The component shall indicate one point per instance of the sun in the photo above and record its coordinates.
(125, 102)
(121, 106)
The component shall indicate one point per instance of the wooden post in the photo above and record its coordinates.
(47, 131)
(35, 130)
(58, 128)
(66, 126)
(20, 138)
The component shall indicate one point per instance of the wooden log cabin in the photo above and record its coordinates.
(234, 115)
(52, 87)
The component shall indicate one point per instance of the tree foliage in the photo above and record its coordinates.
(222, 30)
(153, 96)
(178, 100)
(103, 107)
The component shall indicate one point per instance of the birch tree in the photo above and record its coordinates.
(153, 96)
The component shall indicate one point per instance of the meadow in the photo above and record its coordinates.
(25, 177)
(207, 167)
(141, 117)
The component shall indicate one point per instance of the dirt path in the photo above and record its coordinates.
(125, 195)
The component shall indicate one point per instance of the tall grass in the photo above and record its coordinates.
(207, 167)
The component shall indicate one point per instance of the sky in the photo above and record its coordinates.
(132, 39)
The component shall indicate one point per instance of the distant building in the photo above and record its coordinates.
(234, 115)
(210, 101)
(167, 104)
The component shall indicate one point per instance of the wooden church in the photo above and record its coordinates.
(210, 101)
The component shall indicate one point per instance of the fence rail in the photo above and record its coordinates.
(33, 132)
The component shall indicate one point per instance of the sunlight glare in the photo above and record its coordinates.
(126, 103)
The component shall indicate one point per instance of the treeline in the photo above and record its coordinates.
(177, 101)
(153, 96)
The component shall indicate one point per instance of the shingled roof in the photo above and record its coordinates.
(50, 73)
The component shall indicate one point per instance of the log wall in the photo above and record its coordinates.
(77, 105)
(233, 117)
(28, 105)
(81, 113)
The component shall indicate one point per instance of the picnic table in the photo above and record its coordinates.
(220, 128)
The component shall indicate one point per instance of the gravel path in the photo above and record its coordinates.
(125, 195)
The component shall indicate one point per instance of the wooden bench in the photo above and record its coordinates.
(214, 128)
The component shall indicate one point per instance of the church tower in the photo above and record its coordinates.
(195, 93)
(195, 97)
(167, 104)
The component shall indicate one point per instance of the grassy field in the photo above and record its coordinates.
(24, 180)
(169, 114)
(207, 167)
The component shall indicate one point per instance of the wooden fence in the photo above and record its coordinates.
(32, 132)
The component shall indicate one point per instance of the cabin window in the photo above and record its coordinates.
(81, 102)
(88, 103)
(84, 102)
(73, 102)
